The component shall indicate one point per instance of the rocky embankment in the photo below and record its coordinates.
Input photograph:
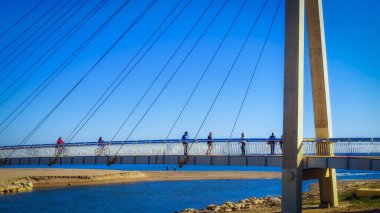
(14, 186)
(348, 202)
(246, 204)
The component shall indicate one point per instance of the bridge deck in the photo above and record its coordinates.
(354, 163)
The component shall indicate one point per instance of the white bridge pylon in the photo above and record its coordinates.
(293, 172)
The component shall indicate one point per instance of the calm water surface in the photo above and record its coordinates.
(157, 197)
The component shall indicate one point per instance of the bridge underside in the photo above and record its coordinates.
(310, 162)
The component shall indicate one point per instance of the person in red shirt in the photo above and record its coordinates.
(60, 142)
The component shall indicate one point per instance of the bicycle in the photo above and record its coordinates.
(60, 150)
(102, 149)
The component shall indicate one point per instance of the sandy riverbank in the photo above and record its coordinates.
(51, 178)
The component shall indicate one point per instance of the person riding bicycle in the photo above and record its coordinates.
(60, 142)
(102, 149)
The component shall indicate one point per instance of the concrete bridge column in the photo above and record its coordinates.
(293, 107)
(321, 97)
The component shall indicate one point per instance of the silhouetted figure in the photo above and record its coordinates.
(243, 143)
(209, 143)
(272, 143)
(281, 142)
(185, 143)
(174, 169)
(167, 168)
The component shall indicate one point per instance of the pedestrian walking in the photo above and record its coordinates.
(243, 142)
(185, 142)
(209, 143)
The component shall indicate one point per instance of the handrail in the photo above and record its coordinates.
(374, 140)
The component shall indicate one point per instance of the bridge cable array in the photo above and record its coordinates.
(52, 50)
(77, 128)
(25, 41)
(61, 68)
(120, 77)
(93, 67)
(84, 121)
(29, 27)
(35, 49)
(21, 18)
(43, 40)
(254, 71)
(206, 69)
(186, 158)
(150, 5)
(171, 77)
(226, 78)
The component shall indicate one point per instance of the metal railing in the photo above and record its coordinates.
(254, 146)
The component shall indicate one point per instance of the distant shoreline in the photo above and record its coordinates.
(56, 178)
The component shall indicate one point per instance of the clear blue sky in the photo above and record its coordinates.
(352, 29)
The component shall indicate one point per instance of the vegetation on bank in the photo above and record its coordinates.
(357, 202)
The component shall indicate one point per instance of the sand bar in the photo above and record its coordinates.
(50, 178)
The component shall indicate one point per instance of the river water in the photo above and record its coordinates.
(157, 197)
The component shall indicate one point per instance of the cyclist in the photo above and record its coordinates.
(102, 149)
(60, 142)
(59, 146)
(101, 142)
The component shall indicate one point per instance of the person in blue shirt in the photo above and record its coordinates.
(243, 142)
(185, 142)
(209, 143)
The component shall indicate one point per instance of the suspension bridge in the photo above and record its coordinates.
(301, 158)
(349, 153)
